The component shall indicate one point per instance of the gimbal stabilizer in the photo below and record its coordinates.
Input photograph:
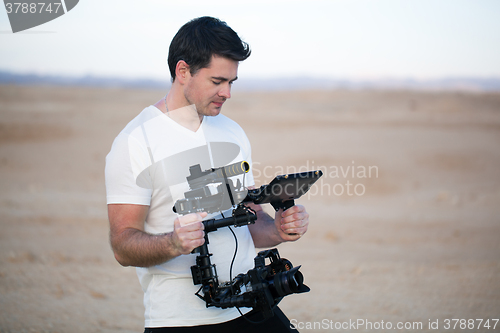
(265, 285)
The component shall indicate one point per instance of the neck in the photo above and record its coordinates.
(180, 111)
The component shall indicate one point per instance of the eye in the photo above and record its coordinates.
(216, 82)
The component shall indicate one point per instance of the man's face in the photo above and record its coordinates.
(210, 87)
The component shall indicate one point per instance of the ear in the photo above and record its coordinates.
(182, 72)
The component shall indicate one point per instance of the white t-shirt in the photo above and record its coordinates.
(148, 165)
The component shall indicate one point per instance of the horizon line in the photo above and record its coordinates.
(299, 82)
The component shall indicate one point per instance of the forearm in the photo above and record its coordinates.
(264, 232)
(287, 226)
(133, 247)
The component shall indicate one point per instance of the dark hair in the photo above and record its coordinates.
(199, 39)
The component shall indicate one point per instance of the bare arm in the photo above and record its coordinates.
(287, 226)
(133, 246)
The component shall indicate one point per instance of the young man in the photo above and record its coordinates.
(146, 173)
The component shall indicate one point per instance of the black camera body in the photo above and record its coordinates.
(262, 287)
(265, 285)
(200, 197)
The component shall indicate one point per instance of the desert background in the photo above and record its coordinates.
(419, 244)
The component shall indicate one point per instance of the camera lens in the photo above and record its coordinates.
(289, 282)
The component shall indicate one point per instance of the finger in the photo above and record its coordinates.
(291, 227)
(192, 218)
(191, 239)
(181, 231)
(296, 226)
(292, 210)
(293, 234)
(295, 230)
(299, 219)
(193, 227)
(189, 233)
(294, 217)
(188, 219)
(196, 243)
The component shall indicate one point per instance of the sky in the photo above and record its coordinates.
(337, 39)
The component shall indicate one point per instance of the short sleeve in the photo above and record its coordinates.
(127, 172)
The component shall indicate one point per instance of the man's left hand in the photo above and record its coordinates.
(291, 223)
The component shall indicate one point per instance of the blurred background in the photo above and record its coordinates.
(397, 102)
(335, 41)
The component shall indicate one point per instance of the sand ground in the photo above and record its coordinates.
(412, 236)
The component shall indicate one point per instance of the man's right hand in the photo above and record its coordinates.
(188, 232)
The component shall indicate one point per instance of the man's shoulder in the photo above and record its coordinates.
(143, 117)
(134, 130)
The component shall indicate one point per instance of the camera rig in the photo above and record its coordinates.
(262, 287)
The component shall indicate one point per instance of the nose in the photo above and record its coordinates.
(225, 92)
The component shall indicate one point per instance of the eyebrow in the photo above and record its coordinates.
(223, 78)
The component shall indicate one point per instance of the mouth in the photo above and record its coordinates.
(218, 104)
